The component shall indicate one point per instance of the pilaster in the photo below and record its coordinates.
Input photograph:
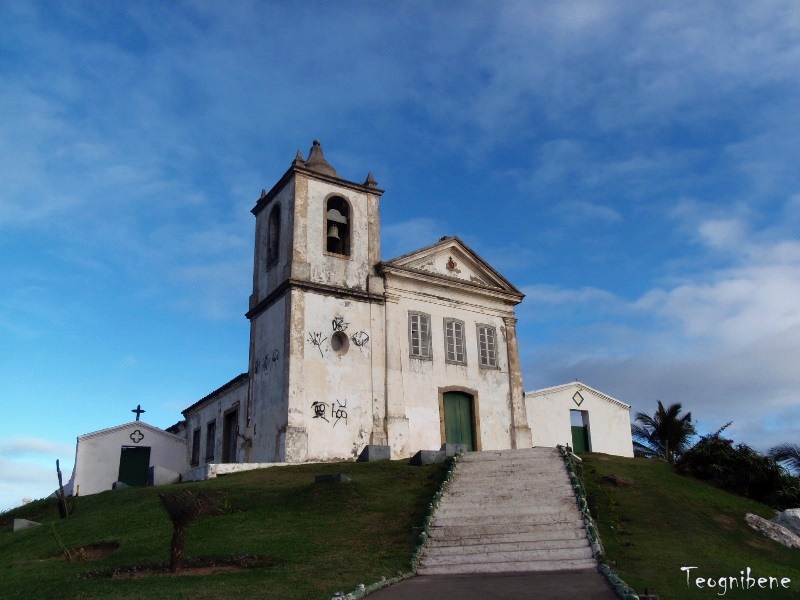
(520, 429)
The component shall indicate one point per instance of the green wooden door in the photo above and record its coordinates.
(458, 419)
(580, 439)
(134, 461)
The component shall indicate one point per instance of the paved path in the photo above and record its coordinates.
(555, 585)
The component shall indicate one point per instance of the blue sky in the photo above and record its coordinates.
(631, 166)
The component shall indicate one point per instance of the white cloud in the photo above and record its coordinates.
(26, 479)
(33, 446)
(722, 342)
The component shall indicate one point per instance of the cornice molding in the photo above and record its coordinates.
(295, 170)
(313, 287)
(441, 281)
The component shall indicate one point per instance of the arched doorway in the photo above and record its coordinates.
(459, 421)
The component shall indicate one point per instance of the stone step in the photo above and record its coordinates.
(500, 509)
(517, 479)
(519, 496)
(440, 537)
(505, 457)
(489, 462)
(551, 518)
(546, 464)
(506, 556)
(513, 452)
(515, 567)
(491, 546)
(521, 513)
(516, 482)
(513, 475)
(545, 530)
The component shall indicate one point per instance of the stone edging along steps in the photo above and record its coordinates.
(622, 589)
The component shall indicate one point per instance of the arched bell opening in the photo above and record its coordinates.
(337, 226)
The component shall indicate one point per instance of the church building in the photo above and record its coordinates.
(348, 351)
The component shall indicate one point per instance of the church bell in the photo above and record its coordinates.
(333, 232)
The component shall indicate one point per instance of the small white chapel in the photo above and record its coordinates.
(348, 351)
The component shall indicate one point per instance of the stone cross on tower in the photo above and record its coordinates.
(138, 410)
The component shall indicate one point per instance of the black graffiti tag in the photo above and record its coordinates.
(360, 338)
(339, 413)
(319, 411)
(315, 339)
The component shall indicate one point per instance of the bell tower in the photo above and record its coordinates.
(315, 287)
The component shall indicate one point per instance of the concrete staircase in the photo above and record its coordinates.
(508, 511)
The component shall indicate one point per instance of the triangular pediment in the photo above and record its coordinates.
(452, 260)
(578, 391)
(133, 426)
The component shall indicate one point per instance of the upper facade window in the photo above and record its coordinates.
(487, 346)
(419, 335)
(337, 226)
(195, 448)
(454, 341)
(273, 235)
(211, 439)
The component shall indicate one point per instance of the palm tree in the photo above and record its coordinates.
(666, 434)
(789, 454)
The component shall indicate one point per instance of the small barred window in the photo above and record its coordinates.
(419, 333)
(487, 346)
(454, 341)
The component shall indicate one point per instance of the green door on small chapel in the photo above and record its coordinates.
(579, 422)
(580, 439)
(458, 419)
(134, 461)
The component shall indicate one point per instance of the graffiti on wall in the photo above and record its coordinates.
(338, 411)
(338, 324)
(315, 339)
(319, 410)
(267, 361)
(360, 338)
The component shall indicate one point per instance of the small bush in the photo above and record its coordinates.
(741, 470)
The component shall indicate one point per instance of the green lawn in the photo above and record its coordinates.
(312, 539)
(666, 521)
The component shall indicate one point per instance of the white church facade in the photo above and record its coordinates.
(347, 350)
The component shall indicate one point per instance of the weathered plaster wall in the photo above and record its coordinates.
(609, 419)
(97, 454)
(269, 373)
(267, 277)
(214, 409)
(351, 272)
(331, 385)
(414, 385)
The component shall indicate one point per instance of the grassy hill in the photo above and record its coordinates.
(297, 539)
(302, 540)
(665, 521)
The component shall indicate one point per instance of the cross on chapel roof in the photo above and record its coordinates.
(138, 410)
